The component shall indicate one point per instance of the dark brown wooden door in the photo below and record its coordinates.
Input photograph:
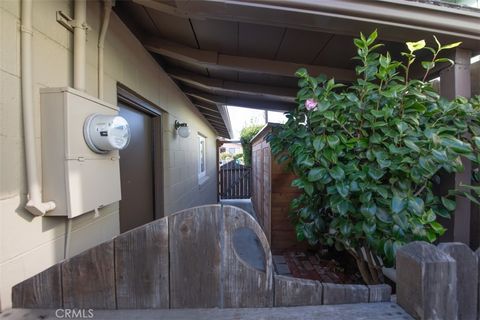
(137, 206)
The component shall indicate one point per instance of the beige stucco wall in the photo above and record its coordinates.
(29, 245)
(475, 74)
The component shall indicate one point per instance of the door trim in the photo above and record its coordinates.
(132, 99)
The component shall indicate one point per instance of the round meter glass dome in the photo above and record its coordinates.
(104, 133)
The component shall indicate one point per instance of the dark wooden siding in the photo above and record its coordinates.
(271, 195)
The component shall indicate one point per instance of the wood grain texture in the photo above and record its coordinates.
(379, 293)
(267, 192)
(272, 195)
(88, 279)
(141, 267)
(244, 286)
(344, 293)
(426, 283)
(290, 292)
(43, 290)
(195, 258)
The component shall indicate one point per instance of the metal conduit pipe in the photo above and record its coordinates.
(79, 44)
(35, 204)
(79, 69)
(107, 10)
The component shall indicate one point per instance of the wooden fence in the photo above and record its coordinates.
(235, 181)
(195, 258)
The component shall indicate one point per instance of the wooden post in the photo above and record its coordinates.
(455, 81)
(426, 282)
(466, 276)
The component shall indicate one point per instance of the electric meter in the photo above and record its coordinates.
(104, 133)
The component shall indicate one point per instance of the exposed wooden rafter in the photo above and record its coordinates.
(239, 102)
(209, 112)
(233, 88)
(398, 20)
(215, 60)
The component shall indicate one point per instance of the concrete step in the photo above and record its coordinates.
(363, 311)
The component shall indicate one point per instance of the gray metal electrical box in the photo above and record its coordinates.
(76, 178)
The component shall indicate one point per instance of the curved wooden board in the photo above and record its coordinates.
(243, 285)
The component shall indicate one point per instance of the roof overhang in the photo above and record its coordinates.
(201, 46)
(346, 17)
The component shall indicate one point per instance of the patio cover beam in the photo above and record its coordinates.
(393, 18)
(232, 88)
(208, 112)
(219, 61)
(226, 119)
(239, 102)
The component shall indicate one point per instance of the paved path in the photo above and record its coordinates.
(371, 311)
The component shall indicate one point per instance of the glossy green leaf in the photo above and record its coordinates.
(333, 141)
(416, 205)
(368, 209)
(438, 228)
(316, 174)
(398, 204)
(456, 145)
(337, 173)
(329, 115)
(414, 46)
(410, 144)
(448, 204)
(318, 143)
(375, 173)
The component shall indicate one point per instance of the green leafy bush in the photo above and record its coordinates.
(367, 155)
(226, 156)
(238, 156)
(246, 135)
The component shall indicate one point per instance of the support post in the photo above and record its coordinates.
(456, 81)
(426, 282)
(467, 278)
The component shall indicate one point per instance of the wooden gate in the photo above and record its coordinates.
(235, 181)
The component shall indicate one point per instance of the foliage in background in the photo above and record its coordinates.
(239, 158)
(246, 135)
(367, 155)
(226, 156)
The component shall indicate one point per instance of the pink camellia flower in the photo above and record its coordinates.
(310, 104)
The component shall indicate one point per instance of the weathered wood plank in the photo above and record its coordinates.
(195, 258)
(426, 281)
(467, 278)
(379, 293)
(141, 267)
(43, 290)
(344, 293)
(291, 292)
(243, 285)
(267, 193)
(88, 279)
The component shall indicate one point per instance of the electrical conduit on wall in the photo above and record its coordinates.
(79, 68)
(35, 204)
(107, 10)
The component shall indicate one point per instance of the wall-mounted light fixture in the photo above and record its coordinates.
(182, 129)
